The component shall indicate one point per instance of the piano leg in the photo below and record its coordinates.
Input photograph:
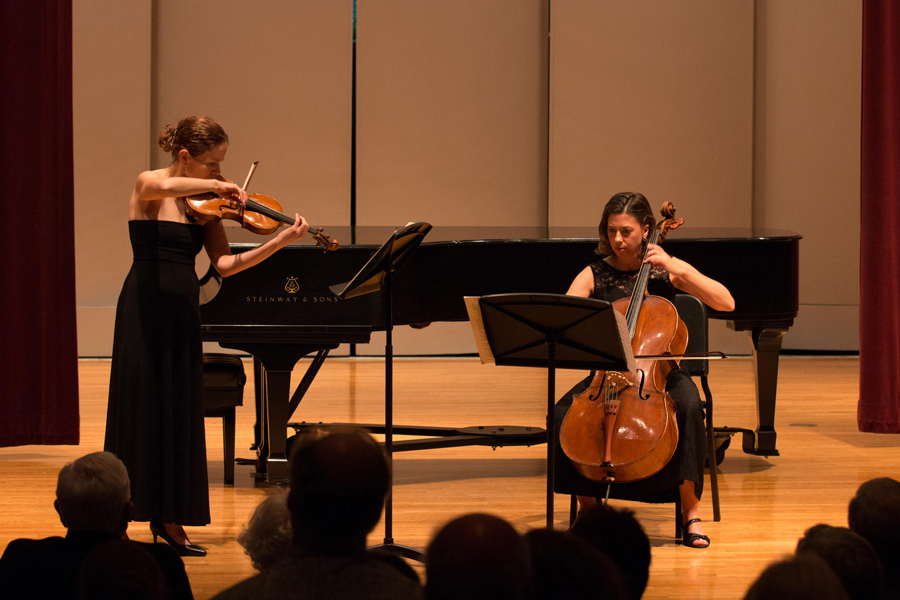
(766, 346)
(273, 457)
(275, 351)
(274, 403)
(259, 375)
(262, 419)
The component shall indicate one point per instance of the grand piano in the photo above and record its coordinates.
(283, 310)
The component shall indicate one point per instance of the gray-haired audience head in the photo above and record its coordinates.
(93, 493)
(268, 536)
(850, 556)
(475, 557)
(339, 479)
(802, 577)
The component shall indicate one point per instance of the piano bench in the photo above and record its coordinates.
(223, 390)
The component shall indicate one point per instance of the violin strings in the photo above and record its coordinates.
(274, 214)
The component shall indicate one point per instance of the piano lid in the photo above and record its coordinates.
(375, 235)
(760, 267)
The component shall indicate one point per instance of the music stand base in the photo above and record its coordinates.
(495, 436)
(398, 550)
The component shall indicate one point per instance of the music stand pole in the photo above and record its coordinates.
(389, 545)
(551, 425)
(389, 410)
(377, 275)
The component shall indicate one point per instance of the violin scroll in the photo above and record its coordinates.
(323, 240)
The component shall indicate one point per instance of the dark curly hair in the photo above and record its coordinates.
(629, 203)
(195, 134)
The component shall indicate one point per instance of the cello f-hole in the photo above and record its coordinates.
(597, 397)
(641, 388)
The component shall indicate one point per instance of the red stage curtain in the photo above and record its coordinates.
(39, 362)
(879, 273)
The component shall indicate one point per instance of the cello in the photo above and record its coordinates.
(622, 427)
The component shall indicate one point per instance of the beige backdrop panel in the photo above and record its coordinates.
(645, 96)
(652, 97)
(276, 74)
(452, 125)
(452, 112)
(111, 110)
(807, 156)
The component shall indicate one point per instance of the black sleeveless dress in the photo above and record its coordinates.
(155, 419)
(689, 460)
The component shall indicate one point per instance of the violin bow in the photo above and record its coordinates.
(249, 175)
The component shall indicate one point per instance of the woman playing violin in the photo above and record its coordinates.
(155, 417)
(624, 228)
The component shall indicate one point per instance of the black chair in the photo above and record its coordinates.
(223, 391)
(693, 312)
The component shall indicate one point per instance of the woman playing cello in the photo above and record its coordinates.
(155, 417)
(624, 227)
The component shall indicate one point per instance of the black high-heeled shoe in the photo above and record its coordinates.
(690, 539)
(158, 529)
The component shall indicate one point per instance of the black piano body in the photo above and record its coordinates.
(282, 309)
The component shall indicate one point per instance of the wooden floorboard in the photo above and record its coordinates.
(766, 503)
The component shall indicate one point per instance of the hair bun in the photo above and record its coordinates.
(195, 134)
(166, 138)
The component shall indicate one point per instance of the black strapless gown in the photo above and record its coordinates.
(155, 419)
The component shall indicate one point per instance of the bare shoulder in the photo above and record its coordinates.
(150, 186)
(583, 284)
(150, 177)
(586, 273)
(146, 195)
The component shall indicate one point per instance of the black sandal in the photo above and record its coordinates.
(689, 539)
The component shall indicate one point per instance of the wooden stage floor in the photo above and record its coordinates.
(766, 503)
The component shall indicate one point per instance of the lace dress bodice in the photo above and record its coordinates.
(612, 284)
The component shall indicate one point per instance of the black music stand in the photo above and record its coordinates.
(552, 331)
(374, 276)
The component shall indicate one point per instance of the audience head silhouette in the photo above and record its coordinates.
(93, 500)
(93, 493)
(803, 577)
(477, 556)
(120, 570)
(339, 479)
(567, 566)
(874, 513)
(617, 534)
(850, 556)
(268, 536)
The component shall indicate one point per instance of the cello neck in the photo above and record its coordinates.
(640, 286)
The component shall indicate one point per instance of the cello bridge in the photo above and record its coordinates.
(617, 381)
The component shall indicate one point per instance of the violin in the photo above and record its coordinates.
(623, 428)
(262, 214)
